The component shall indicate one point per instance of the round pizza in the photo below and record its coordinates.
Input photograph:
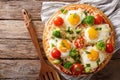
(78, 39)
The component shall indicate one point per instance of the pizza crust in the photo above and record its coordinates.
(91, 10)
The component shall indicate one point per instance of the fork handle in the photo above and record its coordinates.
(32, 33)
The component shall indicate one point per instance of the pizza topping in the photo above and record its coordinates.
(74, 19)
(98, 19)
(93, 34)
(58, 21)
(93, 56)
(69, 30)
(101, 45)
(67, 65)
(56, 61)
(64, 11)
(56, 33)
(76, 69)
(64, 46)
(79, 43)
(98, 29)
(109, 48)
(56, 53)
(74, 53)
(78, 31)
(88, 20)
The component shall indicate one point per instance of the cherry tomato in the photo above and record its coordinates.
(98, 19)
(56, 53)
(109, 48)
(76, 69)
(58, 21)
(79, 43)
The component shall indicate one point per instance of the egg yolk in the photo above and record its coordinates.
(93, 34)
(93, 55)
(74, 19)
(64, 46)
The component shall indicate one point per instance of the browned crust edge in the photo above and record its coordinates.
(90, 9)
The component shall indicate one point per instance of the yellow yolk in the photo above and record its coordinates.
(74, 19)
(64, 46)
(93, 34)
(93, 55)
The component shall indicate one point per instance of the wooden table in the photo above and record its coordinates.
(18, 57)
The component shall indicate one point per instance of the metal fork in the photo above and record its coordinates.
(47, 72)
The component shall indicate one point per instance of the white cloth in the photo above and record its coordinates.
(110, 7)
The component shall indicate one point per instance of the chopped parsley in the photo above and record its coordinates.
(56, 33)
(67, 65)
(88, 65)
(98, 62)
(87, 52)
(89, 20)
(78, 31)
(69, 30)
(98, 29)
(64, 11)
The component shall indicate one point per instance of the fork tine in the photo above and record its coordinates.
(50, 76)
(55, 75)
(46, 77)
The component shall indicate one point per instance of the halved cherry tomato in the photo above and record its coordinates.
(56, 53)
(98, 19)
(79, 43)
(76, 69)
(109, 48)
(58, 21)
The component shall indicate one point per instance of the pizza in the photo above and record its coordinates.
(79, 39)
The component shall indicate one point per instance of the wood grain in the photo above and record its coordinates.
(19, 68)
(16, 29)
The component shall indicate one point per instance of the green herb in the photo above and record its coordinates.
(74, 53)
(99, 29)
(70, 31)
(77, 69)
(53, 37)
(56, 61)
(63, 44)
(73, 37)
(64, 11)
(88, 65)
(87, 70)
(52, 45)
(98, 62)
(88, 20)
(56, 33)
(78, 31)
(101, 45)
(67, 65)
(87, 52)
(85, 13)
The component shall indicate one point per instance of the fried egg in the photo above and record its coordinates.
(74, 18)
(64, 46)
(93, 57)
(91, 34)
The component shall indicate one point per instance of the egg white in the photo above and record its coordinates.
(103, 34)
(93, 64)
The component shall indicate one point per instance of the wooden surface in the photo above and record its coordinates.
(18, 57)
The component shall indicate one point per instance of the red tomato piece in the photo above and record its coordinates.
(58, 21)
(56, 53)
(98, 19)
(109, 48)
(77, 69)
(79, 43)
